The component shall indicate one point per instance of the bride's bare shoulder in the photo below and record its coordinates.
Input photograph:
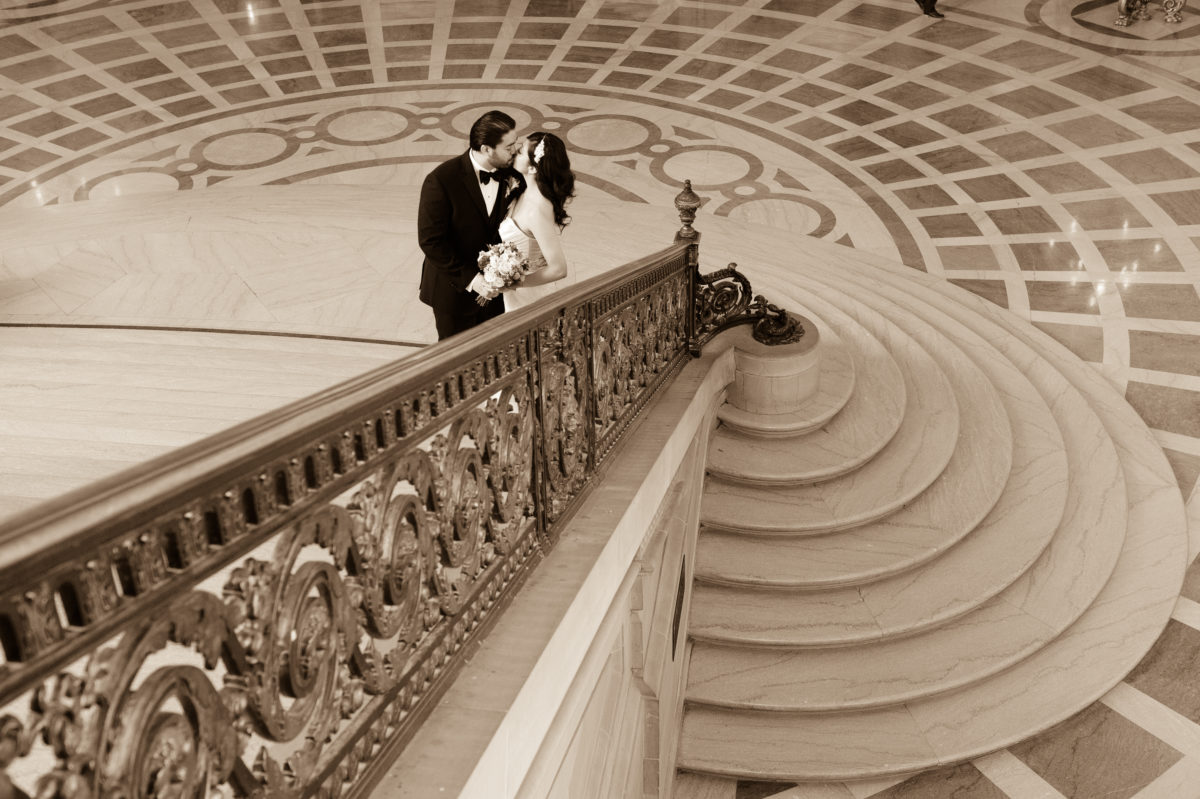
(541, 206)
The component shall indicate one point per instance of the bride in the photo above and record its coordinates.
(537, 216)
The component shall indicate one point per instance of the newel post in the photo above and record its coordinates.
(687, 202)
(723, 299)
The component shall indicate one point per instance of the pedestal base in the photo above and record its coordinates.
(774, 379)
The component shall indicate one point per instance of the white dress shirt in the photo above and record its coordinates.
(492, 189)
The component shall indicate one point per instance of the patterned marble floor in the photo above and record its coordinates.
(1028, 151)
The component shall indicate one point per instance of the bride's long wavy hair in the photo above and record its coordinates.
(553, 176)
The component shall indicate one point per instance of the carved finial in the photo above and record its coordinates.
(687, 202)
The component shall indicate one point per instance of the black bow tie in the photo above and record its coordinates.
(485, 176)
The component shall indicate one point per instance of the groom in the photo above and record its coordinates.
(462, 203)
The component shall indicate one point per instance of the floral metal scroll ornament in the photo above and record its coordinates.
(567, 440)
(724, 298)
(173, 735)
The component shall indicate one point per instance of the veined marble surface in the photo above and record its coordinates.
(1038, 469)
(1063, 611)
(835, 387)
(1076, 557)
(906, 464)
(853, 431)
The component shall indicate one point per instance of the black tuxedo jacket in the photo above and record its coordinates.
(453, 227)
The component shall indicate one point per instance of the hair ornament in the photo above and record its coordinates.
(539, 151)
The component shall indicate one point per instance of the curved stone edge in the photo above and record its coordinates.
(1157, 545)
(878, 549)
(837, 383)
(862, 426)
(1062, 593)
(854, 498)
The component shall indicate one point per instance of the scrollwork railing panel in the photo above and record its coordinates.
(567, 453)
(640, 340)
(358, 603)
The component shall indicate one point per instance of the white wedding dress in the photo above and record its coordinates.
(521, 296)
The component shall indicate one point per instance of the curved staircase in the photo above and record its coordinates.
(964, 536)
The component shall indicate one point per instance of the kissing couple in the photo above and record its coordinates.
(504, 190)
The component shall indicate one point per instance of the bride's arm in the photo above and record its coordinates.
(549, 239)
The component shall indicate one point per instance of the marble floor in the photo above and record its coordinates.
(249, 168)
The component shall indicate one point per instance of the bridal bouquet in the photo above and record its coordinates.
(502, 265)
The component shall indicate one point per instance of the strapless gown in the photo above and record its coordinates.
(525, 295)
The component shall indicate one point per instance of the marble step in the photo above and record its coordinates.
(1017, 528)
(1124, 620)
(867, 675)
(924, 528)
(833, 444)
(1012, 536)
(905, 466)
(1092, 520)
(839, 376)
(1018, 552)
(1040, 690)
(1023, 617)
(1005, 545)
(802, 747)
(847, 744)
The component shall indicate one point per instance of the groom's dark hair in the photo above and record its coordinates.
(490, 128)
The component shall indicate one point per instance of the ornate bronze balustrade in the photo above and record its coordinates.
(274, 610)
